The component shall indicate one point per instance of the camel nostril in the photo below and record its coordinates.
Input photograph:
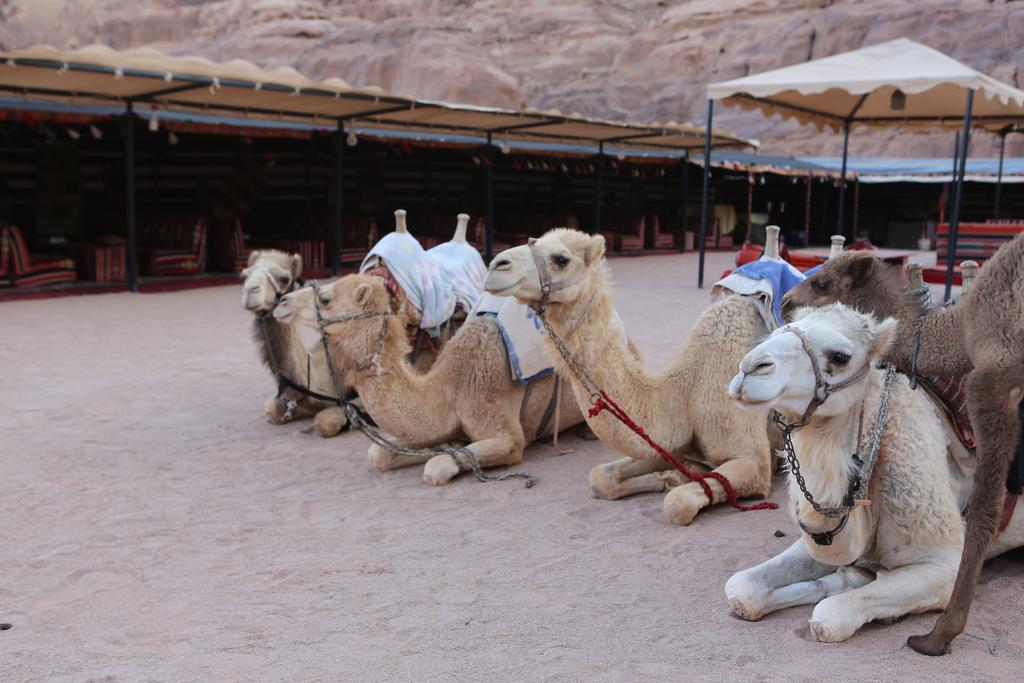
(503, 264)
(762, 368)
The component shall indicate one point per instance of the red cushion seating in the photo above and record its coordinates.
(657, 238)
(976, 241)
(176, 245)
(20, 268)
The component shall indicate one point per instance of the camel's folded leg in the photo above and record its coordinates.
(383, 460)
(626, 477)
(790, 578)
(330, 421)
(913, 588)
(682, 504)
(290, 406)
(494, 452)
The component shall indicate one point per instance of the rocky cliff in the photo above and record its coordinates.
(642, 60)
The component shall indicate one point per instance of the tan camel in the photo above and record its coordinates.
(910, 526)
(684, 408)
(982, 336)
(269, 275)
(468, 394)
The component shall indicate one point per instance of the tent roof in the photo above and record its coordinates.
(857, 87)
(98, 74)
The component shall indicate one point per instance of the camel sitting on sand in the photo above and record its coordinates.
(684, 408)
(982, 337)
(269, 275)
(468, 394)
(871, 484)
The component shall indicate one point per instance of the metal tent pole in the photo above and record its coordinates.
(131, 246)
(489, 202)
(704, 194)
(339, 198)
(954, 223)
(842, 182)
(999, 178)
(598, 182)
(686, 200)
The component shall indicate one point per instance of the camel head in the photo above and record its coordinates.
(268, 274)
(854, 278)
(778, 372)
(570, 256)
(348, 296)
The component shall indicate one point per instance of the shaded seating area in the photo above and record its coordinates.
(656, 239)
(625, 233)
(975, 242)
(175, 245)
(21, 268)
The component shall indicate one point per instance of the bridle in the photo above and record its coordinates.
(544, 277)
(323, 322)
(279, 291)
(861, 479)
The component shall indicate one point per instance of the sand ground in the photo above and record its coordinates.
(154, 526)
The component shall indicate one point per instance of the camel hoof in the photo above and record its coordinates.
(330, 421)
(440, 470)
(603, 482)
(380, 458)
(682, 504)
(929, 645)
(276, 409)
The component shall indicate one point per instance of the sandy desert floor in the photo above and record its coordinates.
(154, 526)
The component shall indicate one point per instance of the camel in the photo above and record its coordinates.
(469, 392)
(684, 408)
(881, 535)
(269, 275)
(982, 337)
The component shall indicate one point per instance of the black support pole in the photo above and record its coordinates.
(999, 178)
(954, 222)
(131, 245)
(598, 181)
(339, 198)
(489, 201)
(842, 183)
(704, 195)
(686, 201)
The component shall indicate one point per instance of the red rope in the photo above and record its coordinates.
(606, 403)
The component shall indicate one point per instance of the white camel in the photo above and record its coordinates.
(884, 539)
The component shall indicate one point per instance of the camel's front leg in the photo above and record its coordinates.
(494, 452)
(914, 588)
(627, 477)
(682, 504)
(790, 578)
(383, 460)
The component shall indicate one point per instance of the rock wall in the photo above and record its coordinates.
(642, 60)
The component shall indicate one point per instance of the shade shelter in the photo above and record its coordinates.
(897, 83)
(148, 82)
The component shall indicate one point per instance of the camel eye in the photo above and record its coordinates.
(283, 280)
(820, 285)
(560, 261)
(324, 300)
(839, 358)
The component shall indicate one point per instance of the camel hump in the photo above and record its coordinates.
(400, 225)
(460, 228)
(771, 244)
(837, 246)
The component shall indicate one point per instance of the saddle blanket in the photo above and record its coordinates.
(523, 333)
(423, 279)
(765, 281)
(464, 268)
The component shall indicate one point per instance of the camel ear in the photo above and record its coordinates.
(362, 294)
(252, 257)
(861, 270)
(885, 333)
(296, 265)
(595, 249)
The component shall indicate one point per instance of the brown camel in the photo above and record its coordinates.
(469, 392)
(982, 336)
(269, 275)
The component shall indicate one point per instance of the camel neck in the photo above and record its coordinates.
(281, 348)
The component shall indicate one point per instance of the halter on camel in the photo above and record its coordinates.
(601, 401)
(857, 489)
(463, 456)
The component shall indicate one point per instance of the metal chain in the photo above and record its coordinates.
(867, 468)
(575, 366)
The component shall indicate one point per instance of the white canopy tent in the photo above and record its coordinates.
(898, 83)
